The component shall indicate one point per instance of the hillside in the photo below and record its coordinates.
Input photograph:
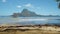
(25, 13)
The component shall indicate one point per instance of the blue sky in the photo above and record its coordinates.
(43, 7)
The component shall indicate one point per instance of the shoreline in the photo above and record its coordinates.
(41, 27)
(30, 29)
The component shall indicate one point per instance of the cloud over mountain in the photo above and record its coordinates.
(3, 0)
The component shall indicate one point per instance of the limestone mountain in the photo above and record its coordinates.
(25, 13)
(28, 13)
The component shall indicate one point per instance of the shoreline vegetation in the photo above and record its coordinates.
(30, 29)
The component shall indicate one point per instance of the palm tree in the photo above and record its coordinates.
(57, 0)
(59, 6)
(58, 3)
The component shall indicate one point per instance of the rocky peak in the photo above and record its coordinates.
(26, 12)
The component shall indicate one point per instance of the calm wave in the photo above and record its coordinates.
(29, 20)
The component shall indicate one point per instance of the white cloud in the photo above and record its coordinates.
(3, 0)
(19, 6)
(28, 5)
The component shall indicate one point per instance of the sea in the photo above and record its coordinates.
(29, 20)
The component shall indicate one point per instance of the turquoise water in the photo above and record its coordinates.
(29, 20)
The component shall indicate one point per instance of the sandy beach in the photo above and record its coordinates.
(30, 30)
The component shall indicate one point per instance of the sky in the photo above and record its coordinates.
(41, 7)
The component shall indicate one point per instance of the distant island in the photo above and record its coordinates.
(28, 13)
